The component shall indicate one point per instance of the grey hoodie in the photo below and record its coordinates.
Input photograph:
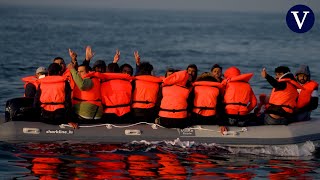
(304, 69)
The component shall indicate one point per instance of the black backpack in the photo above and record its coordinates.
(21, 109)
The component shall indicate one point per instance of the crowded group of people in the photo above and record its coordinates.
(109, 93)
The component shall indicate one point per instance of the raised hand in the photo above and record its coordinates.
(89, 53)
(136, 57)
(73, 56)
(71, 66)
(116, 57)
(264, 73)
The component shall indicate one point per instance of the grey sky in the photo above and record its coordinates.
(220, 5)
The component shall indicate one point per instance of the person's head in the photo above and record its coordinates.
(303, 74)
(41, 71)
(216, 72)
(169, 72)
(113, 68)
(54, 69)
(83, 70)
(206, 76)
(145, 68)
(192, 69)
(126, 69)
(232, 72)
(280, 71)
(99, 66)
(60, 61)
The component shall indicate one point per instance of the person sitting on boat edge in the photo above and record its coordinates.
(145, 97)
(283, 97)
(308, 97)
(53, 97)
(86, 98)
(31, 82)
(175, 101)
(239, 98)
(207, 100)
(216, 71)
(116, 94)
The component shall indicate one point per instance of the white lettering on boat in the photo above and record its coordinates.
(56, 131)
(187, 132)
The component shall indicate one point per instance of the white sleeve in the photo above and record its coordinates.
(315, 93)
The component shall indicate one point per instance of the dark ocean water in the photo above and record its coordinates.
(32, 37)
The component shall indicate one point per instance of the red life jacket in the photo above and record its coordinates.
(239, 97)
(205, 97)
(305, 94)
(286, 98)
(146, 91)
(52, 92)
(30, 79)
(174, 96)
(116, 92)
(92, 96)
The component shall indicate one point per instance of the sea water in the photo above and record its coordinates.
(32, 37)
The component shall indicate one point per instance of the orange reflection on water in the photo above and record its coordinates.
(46, 168)
(170, 167)
(297, 169)
(141, 166)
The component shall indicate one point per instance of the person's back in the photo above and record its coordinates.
(53, 96)
(116, 93)
(145, 94)
(174, 104)
(239, 98)
(308, 96)
(207, 100)
(86, 95)
(31, 82)
(283, 97)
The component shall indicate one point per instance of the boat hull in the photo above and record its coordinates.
(295, 133)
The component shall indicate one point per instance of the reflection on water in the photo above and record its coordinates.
(127, 161)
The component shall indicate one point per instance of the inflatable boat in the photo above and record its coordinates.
(18, 126)
(253, 136)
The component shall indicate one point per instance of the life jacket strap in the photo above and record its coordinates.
(236, 103)
(287, 106)
(205, 107)
(116, 106)
(145, 102)
(173, 110)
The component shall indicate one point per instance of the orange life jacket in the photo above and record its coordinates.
(205, 97)
(305, 94)
(238, 94)
(286, 98)
(92, 96)
(52, 92)
(116, 92)
(146, 91)
(30, 79)
(68, 76)
(174, 96)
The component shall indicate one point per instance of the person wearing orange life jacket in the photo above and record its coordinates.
(308, 97)
(31, 82)
(239, 98)
(116, 93)
(283, 97)
(53, 97)
(207, 101)
(86, 98)
(145, 98)
(175, 101)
